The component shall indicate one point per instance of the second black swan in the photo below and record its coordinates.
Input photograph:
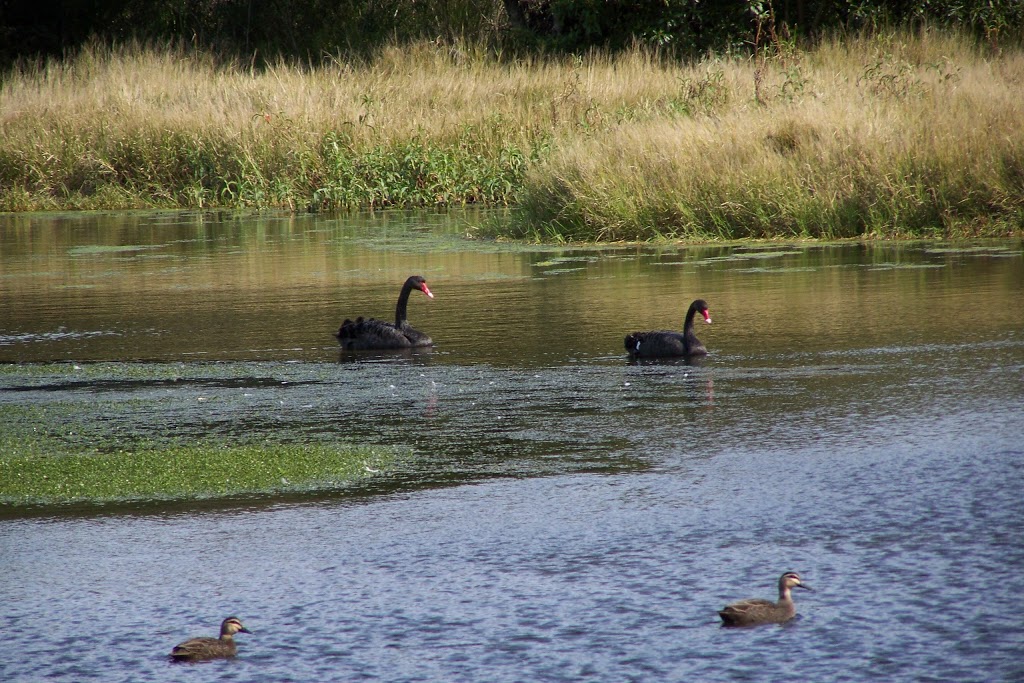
(370, 333)
(669, 343)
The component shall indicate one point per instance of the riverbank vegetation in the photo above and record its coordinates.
(889, 136)
(887, 133)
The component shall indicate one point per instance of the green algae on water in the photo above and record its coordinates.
(205, 470)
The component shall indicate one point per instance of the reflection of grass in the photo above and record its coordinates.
(794, 269)
(562, 271)
(559, 260)
(984, 251)
(108, 249)
(905, 266)
(749, 255)
(204, 470)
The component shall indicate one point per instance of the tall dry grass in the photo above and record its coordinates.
(143, 126)
(906, 133)
(423, 125)
(902, 135)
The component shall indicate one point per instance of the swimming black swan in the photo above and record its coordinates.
(370, 333)
(667, 343)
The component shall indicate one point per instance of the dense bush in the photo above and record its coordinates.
(310, 30)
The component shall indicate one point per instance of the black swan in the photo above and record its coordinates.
(667, 343)
(370, 333)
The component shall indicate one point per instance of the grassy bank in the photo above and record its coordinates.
(209, 470)
(892, 135)
(139, 128)
(919, 136)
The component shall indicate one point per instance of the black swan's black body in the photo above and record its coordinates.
(668, 343)
(370, 333)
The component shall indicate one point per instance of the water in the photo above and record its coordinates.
(567, 515)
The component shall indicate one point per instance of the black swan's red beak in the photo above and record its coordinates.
(426, 290)
(707, 316)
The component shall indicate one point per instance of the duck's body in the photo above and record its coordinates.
(364, 334)
(669, 343)
(199, 649)
(755, 611)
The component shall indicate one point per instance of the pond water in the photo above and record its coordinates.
(566, 515)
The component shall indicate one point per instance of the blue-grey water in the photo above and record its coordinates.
(565, 515)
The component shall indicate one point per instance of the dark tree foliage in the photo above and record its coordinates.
(692, 27)
(258, 30)
(308, 30)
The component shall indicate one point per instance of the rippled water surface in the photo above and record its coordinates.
(565, 515)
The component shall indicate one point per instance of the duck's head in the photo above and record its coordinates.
(233, 625)
(792, 580)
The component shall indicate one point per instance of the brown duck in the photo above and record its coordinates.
(198, 649)
(757, 611)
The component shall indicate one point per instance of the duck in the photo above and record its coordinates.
(200, 649)
(755, 611)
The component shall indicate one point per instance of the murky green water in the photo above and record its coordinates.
(566, 514)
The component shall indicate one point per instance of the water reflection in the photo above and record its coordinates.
(90, 289)
(421, 355)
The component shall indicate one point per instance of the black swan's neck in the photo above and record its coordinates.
(688, 324)
(698, 306)
(401, 315)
